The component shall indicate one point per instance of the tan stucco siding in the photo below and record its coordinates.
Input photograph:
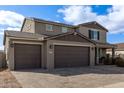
(9, 52)
(11, 55)
(29, 26)
(50, 51)
(44, 65)
(6, 47)
(92, 56)
(40, 28)
(103, 36)
(85, 31)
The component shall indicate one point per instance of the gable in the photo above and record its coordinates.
(72, 37)
(28, 26)
(94, 25)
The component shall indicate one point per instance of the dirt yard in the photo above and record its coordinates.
(7, 80)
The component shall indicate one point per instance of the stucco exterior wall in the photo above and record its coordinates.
(40, 28)
(44, 65)
(50, 52)
(84, 31)
(29, 26)
(10, 59)
(6, 48)
(9, 52)
(92, 56)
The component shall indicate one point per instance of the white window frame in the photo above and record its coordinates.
(64, 29)
(49, 27)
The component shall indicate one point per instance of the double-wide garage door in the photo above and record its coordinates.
(27, 56)
(71, 56)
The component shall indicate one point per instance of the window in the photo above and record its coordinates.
(64, 29)
(94, 35)
(49, 27)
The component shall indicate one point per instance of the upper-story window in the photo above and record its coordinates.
(94, 35)
(64, 29)
(49, 27)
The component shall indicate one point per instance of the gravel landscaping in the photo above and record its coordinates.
(7, 80)
(85, 77)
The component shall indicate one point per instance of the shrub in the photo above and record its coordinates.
(119, 62)
(108, 61)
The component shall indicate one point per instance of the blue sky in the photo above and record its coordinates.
(11, 17)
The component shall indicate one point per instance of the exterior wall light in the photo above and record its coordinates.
(51, 46)
(92, 48)
(11, 45)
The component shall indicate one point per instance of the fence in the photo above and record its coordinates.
(2, 59)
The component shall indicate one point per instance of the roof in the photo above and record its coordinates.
(22, 34)
(105, 45)
(120, 46)
(46, 21)
(98, 44)
(63, 34)
(88, 24)
(19, 34)
(93, 25)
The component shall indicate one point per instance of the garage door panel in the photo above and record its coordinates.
(27, 56)
(71, 56)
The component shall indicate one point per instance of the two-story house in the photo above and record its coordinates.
(46, 44)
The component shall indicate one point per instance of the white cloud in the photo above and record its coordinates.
(13, 28)
(1, 47)
(77, 14)
(57, 21)
(9, 21)
(9, 28)
(1, 31)
(10, 18)
(113, 20)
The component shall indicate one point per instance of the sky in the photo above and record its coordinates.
(110, 16)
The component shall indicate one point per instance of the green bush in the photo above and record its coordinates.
(119, 62)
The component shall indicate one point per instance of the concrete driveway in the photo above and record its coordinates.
(96, 76)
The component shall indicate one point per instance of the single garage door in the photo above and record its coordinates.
(27, 56)
(71, 56)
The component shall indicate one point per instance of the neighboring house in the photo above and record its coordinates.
(46, 44)
(119, 51)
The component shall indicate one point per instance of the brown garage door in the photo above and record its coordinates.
(71, 56)
(27, 56)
